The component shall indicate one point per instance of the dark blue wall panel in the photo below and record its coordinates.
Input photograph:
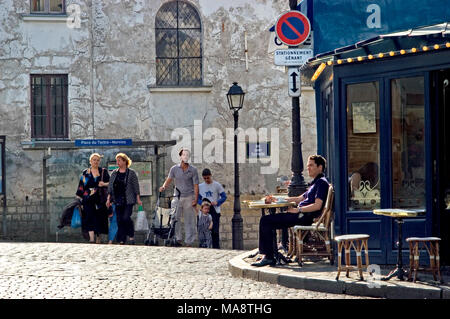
(338, 23)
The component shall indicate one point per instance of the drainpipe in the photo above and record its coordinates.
(44, 187)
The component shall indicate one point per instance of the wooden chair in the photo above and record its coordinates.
(320, 230)
(432, 246)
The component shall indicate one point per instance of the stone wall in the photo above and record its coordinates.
(29, 222)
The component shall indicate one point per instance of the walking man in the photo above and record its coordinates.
(214, 192)
(186, 181)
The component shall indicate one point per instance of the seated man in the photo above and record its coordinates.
(310, 206)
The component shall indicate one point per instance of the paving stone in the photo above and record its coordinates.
(66, 270)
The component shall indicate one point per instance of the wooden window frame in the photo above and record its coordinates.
(46, 10)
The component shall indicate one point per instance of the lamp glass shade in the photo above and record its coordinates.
(235, 97)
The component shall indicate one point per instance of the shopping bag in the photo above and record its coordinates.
(141, 220)
(112, 225)
(76, 218)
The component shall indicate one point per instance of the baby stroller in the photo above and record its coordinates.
(163, 223)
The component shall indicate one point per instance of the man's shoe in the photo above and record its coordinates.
(264, 262)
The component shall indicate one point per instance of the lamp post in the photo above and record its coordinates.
(235, 97)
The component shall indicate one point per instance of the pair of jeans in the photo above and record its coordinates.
(125, 225)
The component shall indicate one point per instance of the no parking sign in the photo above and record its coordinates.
(292, 28)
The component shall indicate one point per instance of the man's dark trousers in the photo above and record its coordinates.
(271, 222)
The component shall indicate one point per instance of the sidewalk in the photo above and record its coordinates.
(321, 276)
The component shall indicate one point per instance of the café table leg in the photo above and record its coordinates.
(399, 272)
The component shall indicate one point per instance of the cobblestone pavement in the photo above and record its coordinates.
(57, 270)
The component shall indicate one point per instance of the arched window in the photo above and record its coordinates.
(178, 45)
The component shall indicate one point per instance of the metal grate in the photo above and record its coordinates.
(178, 45)
(49, 106)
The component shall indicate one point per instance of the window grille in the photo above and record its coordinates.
(49, 116)
(47, 6)
(178, 45)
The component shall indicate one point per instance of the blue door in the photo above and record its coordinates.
(384, 142)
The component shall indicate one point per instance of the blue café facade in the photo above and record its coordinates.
(381, 75)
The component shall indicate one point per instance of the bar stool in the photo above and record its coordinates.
(358, 242)
(432, 246)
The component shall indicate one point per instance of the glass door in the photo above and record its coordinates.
(363, 190)
(408, 142)
(408, 167)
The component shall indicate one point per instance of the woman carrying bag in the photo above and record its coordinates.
(95, 215)
(123, 191)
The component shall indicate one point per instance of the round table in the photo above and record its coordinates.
(399, 214)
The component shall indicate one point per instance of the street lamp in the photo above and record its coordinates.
(235, 97)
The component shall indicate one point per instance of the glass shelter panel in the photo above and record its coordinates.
(363, 146)
(408, 145)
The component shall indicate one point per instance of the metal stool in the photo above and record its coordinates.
(358, 242)
(432, 246)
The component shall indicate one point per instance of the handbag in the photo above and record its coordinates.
(76, 218)
(112, 225)
(103, 191)
(141, 220)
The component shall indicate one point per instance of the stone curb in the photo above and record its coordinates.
(240, 268)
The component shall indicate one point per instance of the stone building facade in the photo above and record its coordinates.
(109, 66)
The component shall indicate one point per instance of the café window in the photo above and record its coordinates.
(363, 146)
(178, 45)
(49, 115)
(47, 6)
(408, 145)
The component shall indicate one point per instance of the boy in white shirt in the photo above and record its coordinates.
(215, 193)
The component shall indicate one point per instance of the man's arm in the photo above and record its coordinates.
(317, 205)
(296, 199)
(166, 184)
(194, 202)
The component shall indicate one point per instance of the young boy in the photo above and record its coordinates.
(204, 225)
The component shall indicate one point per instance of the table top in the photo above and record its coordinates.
(399, 212)
(281, 202)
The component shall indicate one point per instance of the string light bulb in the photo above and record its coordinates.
(319, 70)
(381, 55)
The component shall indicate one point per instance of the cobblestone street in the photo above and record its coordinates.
(56, 270)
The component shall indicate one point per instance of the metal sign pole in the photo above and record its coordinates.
(297, 185)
